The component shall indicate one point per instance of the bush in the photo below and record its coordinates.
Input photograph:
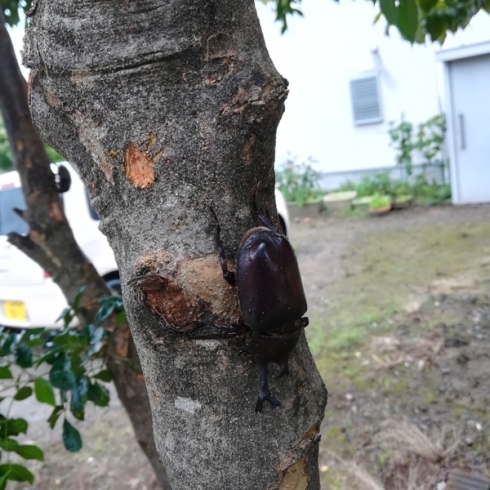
(72, 375)
(299, 183)
(424, 192)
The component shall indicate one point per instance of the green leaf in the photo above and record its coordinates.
(17, 472)
(105, 375)
(104, 312)
(30, 452)
(121, 318)
(44, 391)
(50, 357)
(53, 418)
(97, 336)
(8, 444)
(7, 345)
(35, 342)
(3, 481)
(99, 395)
(427, 5)
(79, 398)
(23, 356)
(66, 312)
(435, 25)
(408, 19)
(76, 301)
(67, 338)
(388, 7)
(61, 376)
(77, 365)
(71, 437)
(5, 372)
(23, 393)
(12, 427)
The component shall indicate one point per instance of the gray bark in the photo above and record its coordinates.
(165, 106)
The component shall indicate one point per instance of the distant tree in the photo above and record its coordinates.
(416, 20)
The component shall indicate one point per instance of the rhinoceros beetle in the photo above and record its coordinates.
(270, 294)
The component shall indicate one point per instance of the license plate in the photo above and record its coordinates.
(14, 310)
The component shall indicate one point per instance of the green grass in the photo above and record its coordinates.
(385, 271)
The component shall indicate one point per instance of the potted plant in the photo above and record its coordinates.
(338, 201)
(380, 204)
(362, 203)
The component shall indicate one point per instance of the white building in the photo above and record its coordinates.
(335, 45)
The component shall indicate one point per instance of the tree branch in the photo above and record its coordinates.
(26, 245)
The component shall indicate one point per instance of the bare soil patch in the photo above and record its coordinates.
(400, 316)
(399, 309)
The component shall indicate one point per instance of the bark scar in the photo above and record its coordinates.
(139, 169)
(291, 467)
(220, 45)
(193, 293)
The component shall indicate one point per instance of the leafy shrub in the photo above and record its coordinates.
(401, 136)
(427, 143)
(299, 183)
(424, 192)
(62, 368)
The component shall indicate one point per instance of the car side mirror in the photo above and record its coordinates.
(63, 179)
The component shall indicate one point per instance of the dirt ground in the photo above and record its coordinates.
(399, 309)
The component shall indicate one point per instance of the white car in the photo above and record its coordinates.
(28, 296)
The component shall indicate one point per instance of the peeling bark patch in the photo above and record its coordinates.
(173, 306)
(294, 478)
(310, 435)
(192, 293)
(187, 405)
(52, 100)
(139, 170)
(120, 342)
(203, 278)
(55, 212)
(219, 45)
(247, 151)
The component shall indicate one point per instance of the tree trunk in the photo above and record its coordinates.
(166, 107)
(50, 243)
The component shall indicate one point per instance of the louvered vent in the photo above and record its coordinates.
(366, 108)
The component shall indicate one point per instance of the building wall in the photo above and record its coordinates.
(321, 52)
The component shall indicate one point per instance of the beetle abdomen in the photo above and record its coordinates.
(269, 284)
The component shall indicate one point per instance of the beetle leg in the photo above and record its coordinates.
(223, 333)
(264, 392)
(227, 274)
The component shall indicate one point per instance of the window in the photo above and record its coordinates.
(10, 221)
(366, 108)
